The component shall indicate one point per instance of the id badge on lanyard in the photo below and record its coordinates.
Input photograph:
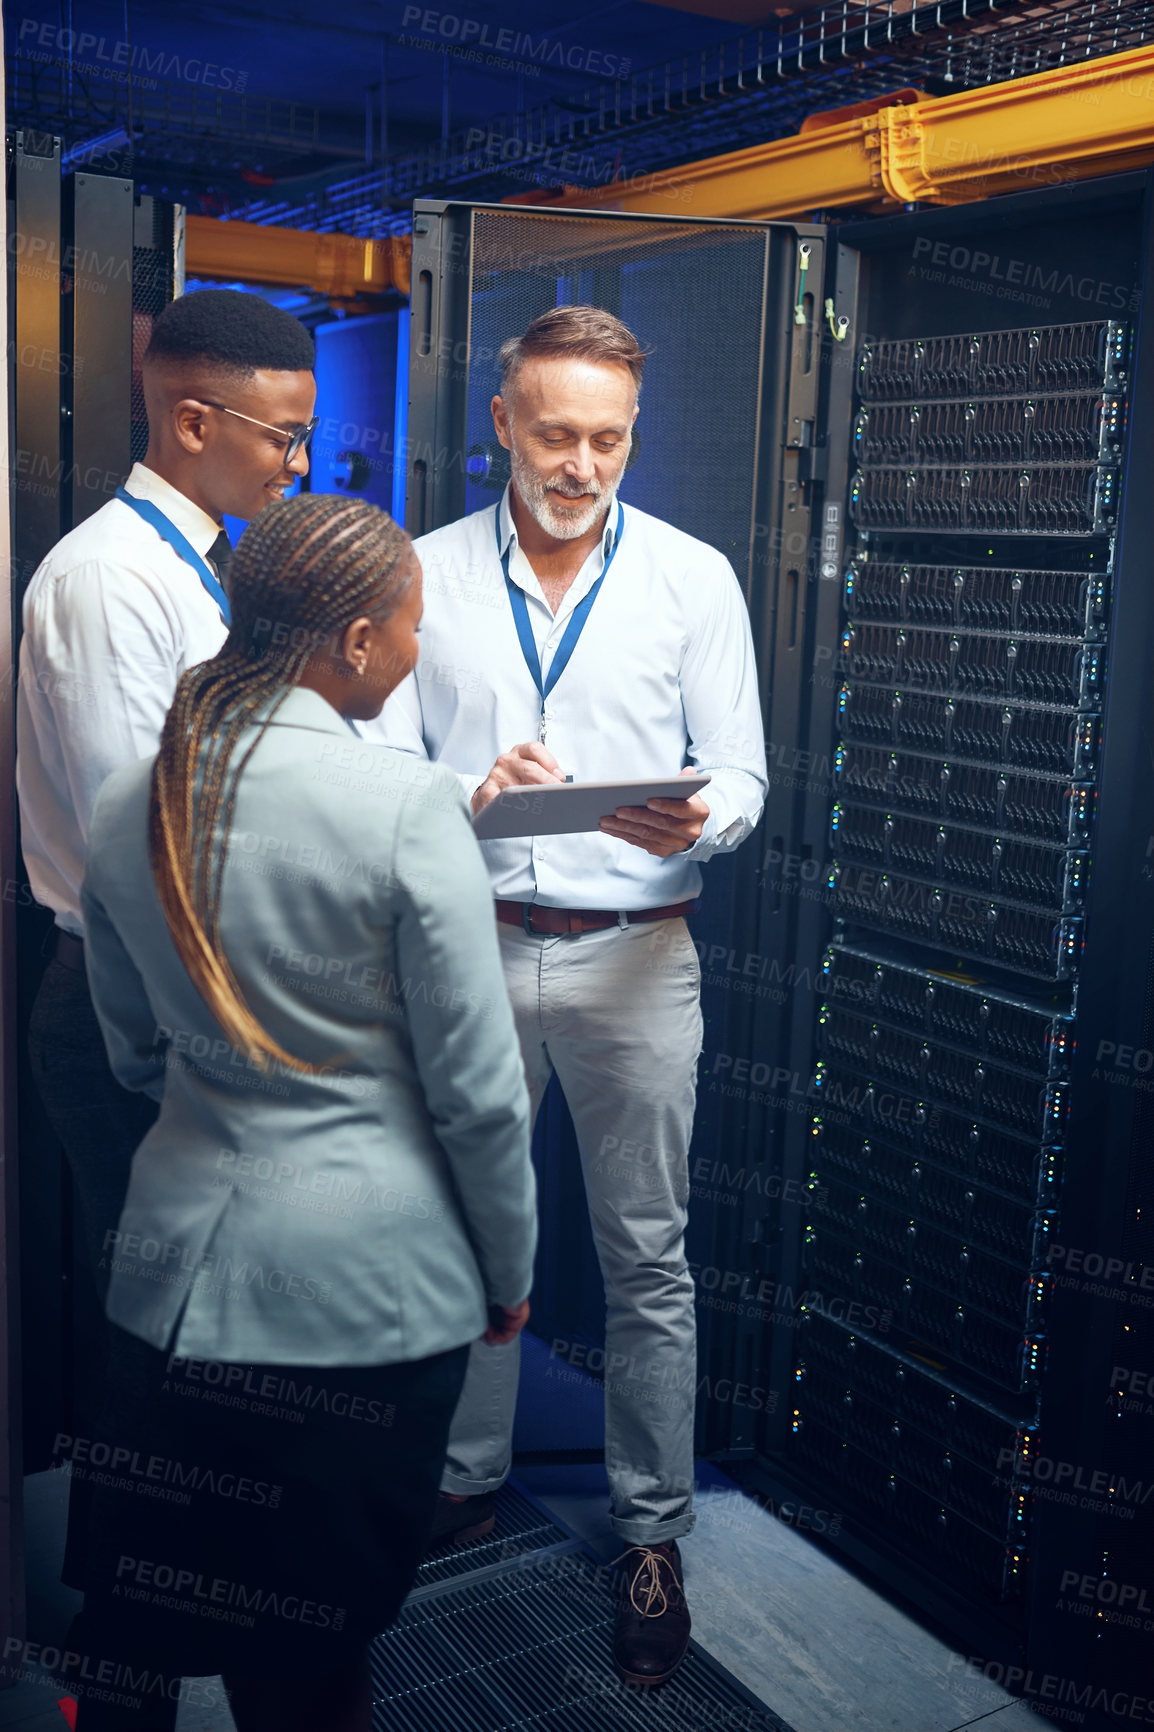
(573, 630)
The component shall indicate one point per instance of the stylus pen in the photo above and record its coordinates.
(568, 778)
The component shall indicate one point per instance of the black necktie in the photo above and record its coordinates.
(220, 554)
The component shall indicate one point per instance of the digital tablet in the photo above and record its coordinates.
(561, 808)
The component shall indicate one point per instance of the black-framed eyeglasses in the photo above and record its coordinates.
(295, 440)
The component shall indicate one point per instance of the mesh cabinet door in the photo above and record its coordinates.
(693, 292)
(736, 395)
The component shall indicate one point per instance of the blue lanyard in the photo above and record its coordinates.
(168, 531)
(576, 619)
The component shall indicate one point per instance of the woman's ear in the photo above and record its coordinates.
(356, 646)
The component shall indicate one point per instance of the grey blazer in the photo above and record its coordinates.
(366, 1215)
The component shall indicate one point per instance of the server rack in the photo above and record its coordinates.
(923, 1143)
(971, 1158)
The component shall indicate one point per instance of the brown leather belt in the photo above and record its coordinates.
(534, 917)
(70, 950)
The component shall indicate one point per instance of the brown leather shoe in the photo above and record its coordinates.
(470, 1518)
(652, 1634)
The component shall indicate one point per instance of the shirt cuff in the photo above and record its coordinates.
(469, 786)
(706, 843)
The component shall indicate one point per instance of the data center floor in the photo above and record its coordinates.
(812, 1640)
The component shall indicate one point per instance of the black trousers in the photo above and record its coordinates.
(265, 1521)
(100, 1126)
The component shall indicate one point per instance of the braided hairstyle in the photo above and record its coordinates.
(303, 571)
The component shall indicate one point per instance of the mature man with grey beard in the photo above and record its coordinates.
(567, 634)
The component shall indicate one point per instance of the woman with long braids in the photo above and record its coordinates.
(291, 948)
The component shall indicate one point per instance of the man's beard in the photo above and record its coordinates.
(534, 494)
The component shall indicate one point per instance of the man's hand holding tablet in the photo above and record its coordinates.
(663, 826)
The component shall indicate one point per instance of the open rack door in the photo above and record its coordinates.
(729, 453)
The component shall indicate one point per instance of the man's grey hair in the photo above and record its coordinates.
(577, 333)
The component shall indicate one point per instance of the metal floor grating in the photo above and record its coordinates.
(522, 1527)
(524, 1642)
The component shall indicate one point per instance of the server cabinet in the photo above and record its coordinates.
(923, 1146)
(361, 376)
(91, 264)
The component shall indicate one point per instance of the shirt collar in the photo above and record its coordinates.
(507, 529)
(194, 524)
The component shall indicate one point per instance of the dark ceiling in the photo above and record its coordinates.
(442, 69)
(337, 117)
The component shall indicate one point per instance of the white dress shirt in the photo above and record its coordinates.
(662, 678)
(112, 618)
